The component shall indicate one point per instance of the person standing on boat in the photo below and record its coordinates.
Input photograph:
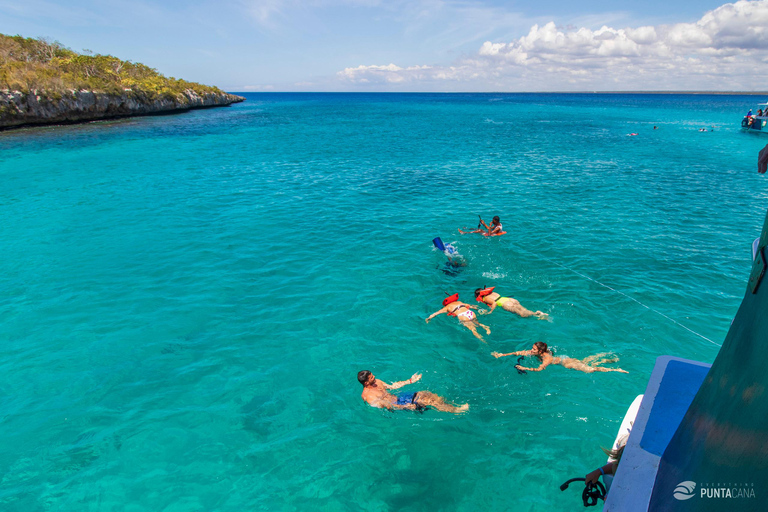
(589, 364)
(492, 299)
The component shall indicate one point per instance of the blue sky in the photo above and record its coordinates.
(418, 45)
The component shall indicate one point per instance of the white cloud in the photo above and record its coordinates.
(388, 74)
(716, 52)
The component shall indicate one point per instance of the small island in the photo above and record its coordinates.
(43, 83)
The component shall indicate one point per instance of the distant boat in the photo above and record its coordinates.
(754, 123)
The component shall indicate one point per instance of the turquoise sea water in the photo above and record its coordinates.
(185, 301)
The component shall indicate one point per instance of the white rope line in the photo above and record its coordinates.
(620, 293)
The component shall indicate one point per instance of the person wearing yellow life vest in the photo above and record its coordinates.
(453, 307)
(492, 299)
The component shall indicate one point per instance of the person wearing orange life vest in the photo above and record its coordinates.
(453, 307)
(492, 299)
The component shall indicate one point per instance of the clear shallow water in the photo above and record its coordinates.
(185, 300)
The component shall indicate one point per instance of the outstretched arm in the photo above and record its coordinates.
(519, 353)
(398, 385)
(433, 315)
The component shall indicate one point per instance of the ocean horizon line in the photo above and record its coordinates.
(713, 93)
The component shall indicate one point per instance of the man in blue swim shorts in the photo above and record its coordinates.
(376, 394)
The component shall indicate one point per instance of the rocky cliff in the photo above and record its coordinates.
(41, 108)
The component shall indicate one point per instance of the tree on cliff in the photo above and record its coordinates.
(47, 67)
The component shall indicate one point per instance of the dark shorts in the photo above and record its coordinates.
(406, 398)
(410, 398)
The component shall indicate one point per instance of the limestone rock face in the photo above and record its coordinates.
(39, 107)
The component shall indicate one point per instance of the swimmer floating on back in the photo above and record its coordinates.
(489, 297)
(452, 307)
(587, 365)
(494, 229)
(375, 393)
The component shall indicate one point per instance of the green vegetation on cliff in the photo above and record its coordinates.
(47, 66)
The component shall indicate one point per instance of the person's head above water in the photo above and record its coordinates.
(482, 292)
(364, 377)
(539, 348)
(496, 220)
